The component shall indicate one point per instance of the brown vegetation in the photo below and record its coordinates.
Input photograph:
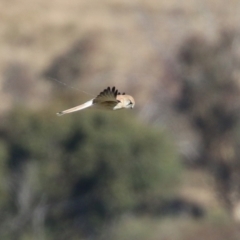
(180, 60)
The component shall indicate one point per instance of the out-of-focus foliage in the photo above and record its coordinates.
(144, 228)
(71, 177)
(210, 98)
(79, 170)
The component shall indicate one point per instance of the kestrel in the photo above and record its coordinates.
(109, 99)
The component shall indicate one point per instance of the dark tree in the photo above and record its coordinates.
(210, 96)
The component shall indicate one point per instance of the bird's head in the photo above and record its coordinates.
(130, 102)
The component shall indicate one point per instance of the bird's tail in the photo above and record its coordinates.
(77, 108)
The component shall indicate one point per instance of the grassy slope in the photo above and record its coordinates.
(133, 40)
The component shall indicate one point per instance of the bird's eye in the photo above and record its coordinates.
(130, 103)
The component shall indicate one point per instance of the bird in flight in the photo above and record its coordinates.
(110, 99)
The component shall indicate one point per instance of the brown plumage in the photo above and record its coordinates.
(109, 98)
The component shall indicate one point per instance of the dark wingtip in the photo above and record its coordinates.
(59, 113)
(112, 90)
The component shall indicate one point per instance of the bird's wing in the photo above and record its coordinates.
(77, 108)
(107, 97)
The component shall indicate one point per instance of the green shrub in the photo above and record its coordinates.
(90, 165)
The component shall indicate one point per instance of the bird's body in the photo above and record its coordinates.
(109, 99)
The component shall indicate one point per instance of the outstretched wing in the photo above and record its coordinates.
(77, 108)
(107, 97)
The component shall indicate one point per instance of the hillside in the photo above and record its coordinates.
(170, 165)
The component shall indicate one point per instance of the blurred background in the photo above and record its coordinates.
(167, 170)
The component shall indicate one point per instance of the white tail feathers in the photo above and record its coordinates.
(77, 108)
